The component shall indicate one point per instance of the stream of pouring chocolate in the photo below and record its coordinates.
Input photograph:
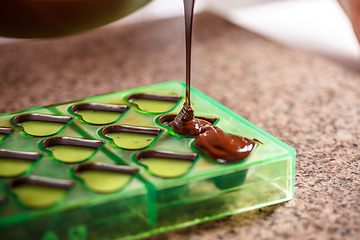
(210, 140)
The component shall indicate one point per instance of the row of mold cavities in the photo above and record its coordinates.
(38, 192)
(42, 192)
(40, 125)
(158, 163)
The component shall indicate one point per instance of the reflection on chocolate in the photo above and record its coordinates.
(6, 131)
(31, 156)
(41, 181)
(72, 142)
(40, 117)
(157, 154)
(105, 167)
(190, 128)
(223, 147)
(131, 98)
(185, 124)
(99, 107)
(130, 129)
(258, 141)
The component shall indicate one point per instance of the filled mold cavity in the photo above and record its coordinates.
(71, 150)
(153, 103)
(223, 147)
(40, 125)
(99, 114)
(104, 178)
(37, 193)
(189, 128)
(15, 163)
(4, 132)
(166, 164)
(130, 137)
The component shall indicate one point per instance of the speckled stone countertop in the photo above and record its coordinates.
(307, 102)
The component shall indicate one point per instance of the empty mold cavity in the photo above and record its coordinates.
(14, 163)
(130, 137)
(166, 164)
(71, 150)
(104, 178)
(36, 192)
(99, 114)
(41, 125)
(4, 132)
(153, 103)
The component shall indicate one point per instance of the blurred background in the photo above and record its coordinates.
(317, 26)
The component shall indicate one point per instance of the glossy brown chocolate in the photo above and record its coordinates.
(223, 147)
(189, 128)
(41, 181)
(105, 167)
(99, 107)
(72, 142)
(6, 131)
(30, 156)
(157, 154)
(40, 117)
(130, 129)
(149, 96)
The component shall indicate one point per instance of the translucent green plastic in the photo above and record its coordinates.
(147, 204)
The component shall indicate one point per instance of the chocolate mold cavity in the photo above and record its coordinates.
(36, 192)
(40, 125)
(166, 119)
(104, 178)
(131, 137)
(15, 163)
(166, 164)
(153, 103)
(99, 114)
(71, 150)
(4, 132)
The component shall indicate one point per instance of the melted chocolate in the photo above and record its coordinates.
(41, 181)
(31, 156)
(157, 154)
(40, 117)
(130, 129)
(99, 107)
(212, 141)
(223, 147)
(106, 167)
(72, 142)
(6, 131)
(189, 128)
(170, 98)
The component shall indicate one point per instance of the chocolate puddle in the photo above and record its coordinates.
(223, 147)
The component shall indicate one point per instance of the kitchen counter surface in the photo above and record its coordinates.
(307, 102)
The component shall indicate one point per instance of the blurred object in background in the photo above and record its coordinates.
(317, 26)
(44, 18)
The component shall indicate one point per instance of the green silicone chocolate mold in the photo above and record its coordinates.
(111, 168)
(38, 125)
(71, 150)
(15, 163)
(130, 137)
(98, 114)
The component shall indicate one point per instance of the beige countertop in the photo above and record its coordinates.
(307, 102)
